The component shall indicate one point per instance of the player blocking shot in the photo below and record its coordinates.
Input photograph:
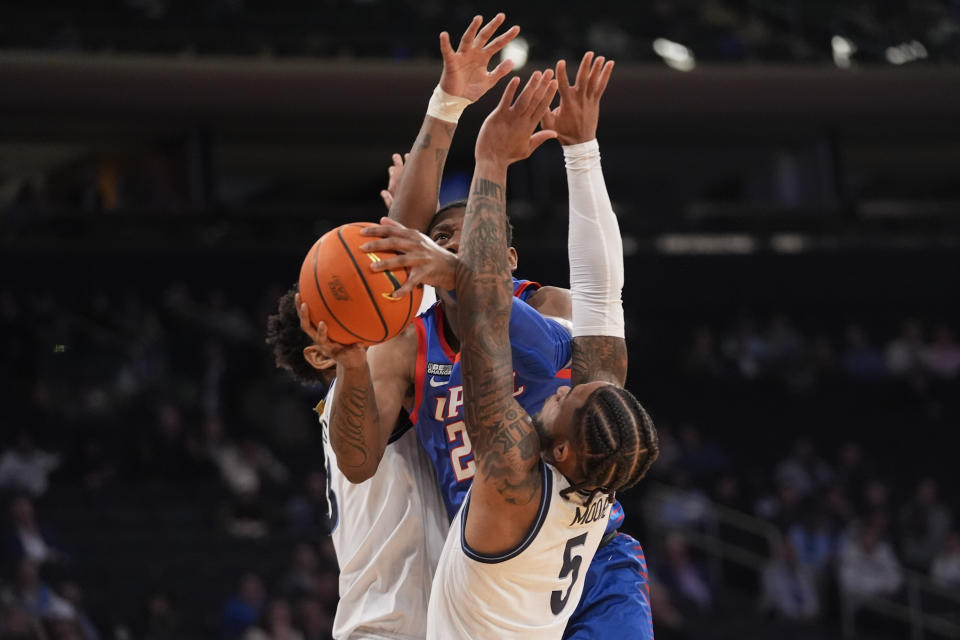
(514, 560)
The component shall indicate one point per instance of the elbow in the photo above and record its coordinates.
(356, 475)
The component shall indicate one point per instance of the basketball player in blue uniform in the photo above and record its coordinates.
(616, 595)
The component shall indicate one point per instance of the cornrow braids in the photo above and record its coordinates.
(618, 442)
(462, 204)
(288, 341)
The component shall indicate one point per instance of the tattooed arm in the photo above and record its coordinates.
(464, 75)
(372, 385)
(505, 441)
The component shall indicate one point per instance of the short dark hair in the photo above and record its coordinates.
(618, 441)
(462, 204)
(288, 341)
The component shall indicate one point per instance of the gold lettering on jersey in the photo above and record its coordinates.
(596, 510)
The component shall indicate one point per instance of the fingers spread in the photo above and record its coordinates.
(488, 30)
(542, 108)
(594, 75)
(501, 41)
(446, 49)
(507, 99)
(501, 71)
(564, 81)
(526, 96)
(584, 69)
(603, 79)
(470, 33)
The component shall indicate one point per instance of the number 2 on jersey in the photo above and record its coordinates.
(571, 563)
(462, 471)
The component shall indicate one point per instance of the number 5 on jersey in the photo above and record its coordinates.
(571, 563)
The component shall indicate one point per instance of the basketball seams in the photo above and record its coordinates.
(323, 299)
(366, 286)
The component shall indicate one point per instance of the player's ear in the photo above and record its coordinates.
(316, 359)
(561, 451)
(512, 258)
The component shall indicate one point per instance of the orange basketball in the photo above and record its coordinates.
(339, 288)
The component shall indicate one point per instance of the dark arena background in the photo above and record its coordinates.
(787, 180)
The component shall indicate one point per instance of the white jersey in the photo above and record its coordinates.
(529, 592)
(388, 533)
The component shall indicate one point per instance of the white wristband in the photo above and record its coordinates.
(446, 107)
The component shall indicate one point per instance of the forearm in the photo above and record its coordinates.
(415, 202)
(596, 270)
(484, 300)
(355, 433)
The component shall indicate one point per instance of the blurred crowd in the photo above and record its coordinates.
(716, 30)
(160, 479)
(799, 358)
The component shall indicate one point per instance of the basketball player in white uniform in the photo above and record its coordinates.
(514, 559)
(387, 531)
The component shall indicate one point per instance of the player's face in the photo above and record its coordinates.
(445, 230)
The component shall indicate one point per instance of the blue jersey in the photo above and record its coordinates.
(438, 405)
(616, 594)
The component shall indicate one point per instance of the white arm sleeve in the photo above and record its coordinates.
(594, 246)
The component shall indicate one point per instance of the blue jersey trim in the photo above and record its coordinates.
(545, 495)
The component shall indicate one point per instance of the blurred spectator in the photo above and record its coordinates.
(702, 357)
(247, 516)
(244, 609)
(303, 577)
(904, 352)
(276, 624)
(314, 620)
(246, 465)
(17, 624)
(851, 469)
(945, 567)
(789, 587)
(868, 566)
(26, 538)
(745, 349)
(160, 621)
(876, 502)
(309, 511)
(701, 459)
(682, 576)
(814, 541)
(860, 358)
(70, 591)
(924, 524)
(36, 596)
(686, 506)
(26, 468)
(803, 470)
(942, 356)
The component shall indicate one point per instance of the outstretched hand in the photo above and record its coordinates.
(507, 135)
(465, 70)
(349, 355)
(427, 261)
(394, 171)
(575, 119)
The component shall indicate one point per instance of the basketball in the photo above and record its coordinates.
(339, 288)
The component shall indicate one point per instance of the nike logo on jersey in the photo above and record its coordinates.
(435, 383)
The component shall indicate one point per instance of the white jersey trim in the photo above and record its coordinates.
(546, 493)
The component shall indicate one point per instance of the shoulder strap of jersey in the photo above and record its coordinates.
(523, 289)
(420, 372)
(546, 494)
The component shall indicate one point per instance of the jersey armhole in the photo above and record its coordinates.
(545, 496)
(420, 373)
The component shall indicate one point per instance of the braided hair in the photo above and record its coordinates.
(288, 341)
(618, 442)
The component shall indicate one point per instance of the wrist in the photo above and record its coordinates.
(446, 107)
(490, 163)
(578, 148)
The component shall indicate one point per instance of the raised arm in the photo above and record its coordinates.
(593, 242)
(371, 388)
(464, 80)
(505, 441)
